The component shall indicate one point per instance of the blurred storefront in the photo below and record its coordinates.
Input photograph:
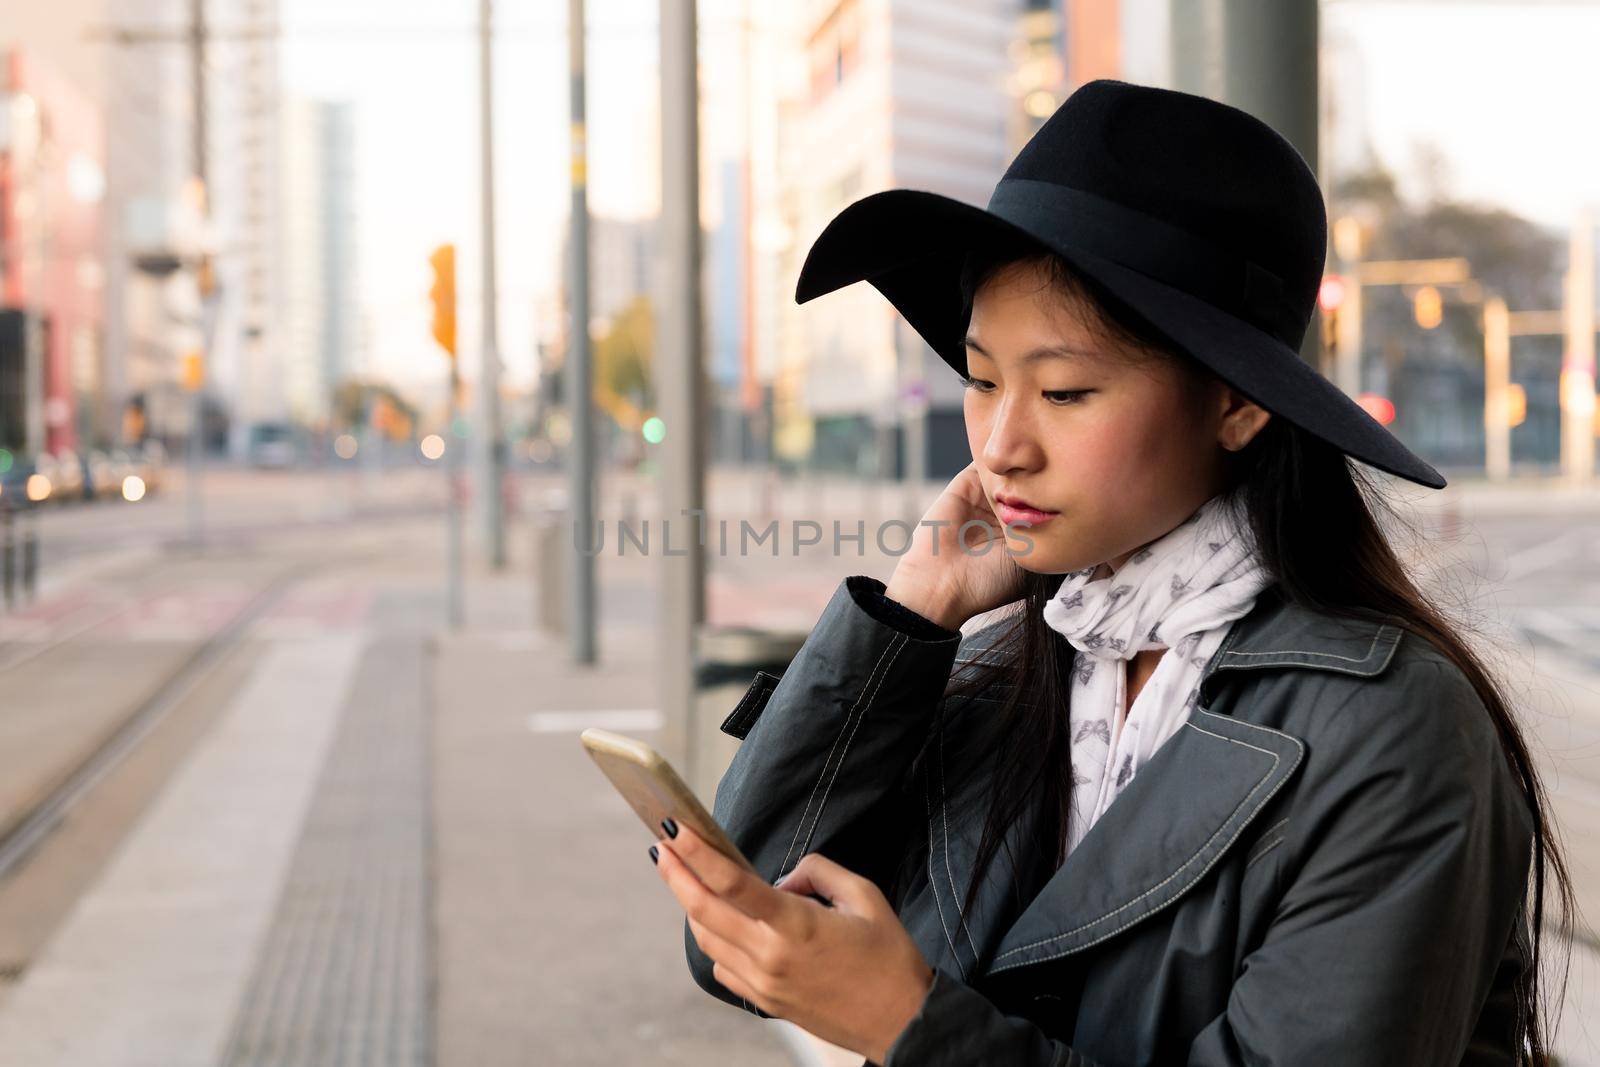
(897, 94)
(52, 183)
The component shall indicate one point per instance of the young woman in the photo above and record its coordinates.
(1221, 786)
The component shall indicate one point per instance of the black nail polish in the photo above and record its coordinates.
(654, 855)
(670, 827)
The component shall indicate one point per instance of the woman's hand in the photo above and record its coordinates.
(950, 577)
(850, 973)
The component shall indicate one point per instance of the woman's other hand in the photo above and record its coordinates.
(850, 973)
(949, 576)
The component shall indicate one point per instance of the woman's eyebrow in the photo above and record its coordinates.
(1042, 352)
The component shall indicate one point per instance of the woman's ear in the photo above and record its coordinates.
(1242, 419)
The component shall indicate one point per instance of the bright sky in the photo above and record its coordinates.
(1504, 91)
(1509, 92)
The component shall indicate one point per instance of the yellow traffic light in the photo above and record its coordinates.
(194, 371)
(1516, 405)
(443, 294)
(1428, 307)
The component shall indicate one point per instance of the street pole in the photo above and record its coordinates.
(1577, 360)
(1259, 56)
(194, 452)
(453, 447)
(578, 372)
(493, 447)
(1496, 389)
(1347, 336)
(680, 384)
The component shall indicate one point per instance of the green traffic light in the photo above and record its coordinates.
(654, 429)
(5, 460)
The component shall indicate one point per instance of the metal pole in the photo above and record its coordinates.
(194, 452)
(8, 553)
(1577, 360)
(453, 447)
(1260, 56)
(1496, 389)
(681, 381)
(493, 448)
(578, 372)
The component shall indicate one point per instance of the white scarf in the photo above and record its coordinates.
(1182, 592)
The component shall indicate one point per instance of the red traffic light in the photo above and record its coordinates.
(1331, 293)
(1379, 407)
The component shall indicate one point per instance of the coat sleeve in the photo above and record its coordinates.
(957, 1025)
(1406, 871)
(821, 767)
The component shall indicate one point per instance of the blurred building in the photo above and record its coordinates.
(146, 96)
(249, 355)
(622, 263)
(896, 94)
(321, 337)
(52, 183)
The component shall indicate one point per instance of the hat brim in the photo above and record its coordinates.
(911, 244)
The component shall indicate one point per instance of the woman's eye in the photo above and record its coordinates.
(1066, 396)
(976, 383)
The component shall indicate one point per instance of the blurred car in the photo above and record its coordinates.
(272, 445)
(101, 482)
(69, 482)
(14, 483)
(152, 464)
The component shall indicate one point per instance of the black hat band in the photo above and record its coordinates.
(1076, 220)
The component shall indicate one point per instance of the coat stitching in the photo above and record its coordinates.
(955, 896)
(1382, 630)
(1276, 759)
(1251, 862)
(1258, 851)
(933, 880)
(868, 691)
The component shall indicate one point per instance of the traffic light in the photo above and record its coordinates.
(1428, 307)
(1331, 296)
(443, 294)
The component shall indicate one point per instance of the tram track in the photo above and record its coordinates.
(23, 832)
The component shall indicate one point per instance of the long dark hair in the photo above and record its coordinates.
(1314, 516)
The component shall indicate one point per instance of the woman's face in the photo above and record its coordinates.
(1116, 446)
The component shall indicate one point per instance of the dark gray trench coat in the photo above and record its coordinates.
(1326, 865)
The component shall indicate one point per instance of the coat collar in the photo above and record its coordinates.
(1198, 794)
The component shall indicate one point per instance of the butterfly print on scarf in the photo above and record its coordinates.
(1094, 728)
(1125, 771)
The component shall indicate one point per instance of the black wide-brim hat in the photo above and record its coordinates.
(1196, 216)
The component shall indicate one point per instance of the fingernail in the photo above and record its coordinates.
(670, 827)
(654, 855)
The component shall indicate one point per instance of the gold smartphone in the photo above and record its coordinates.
(653, 789)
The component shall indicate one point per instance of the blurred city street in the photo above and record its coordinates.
(326, 325)
(316, 818)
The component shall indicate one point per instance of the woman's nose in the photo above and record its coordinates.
(1011, 441)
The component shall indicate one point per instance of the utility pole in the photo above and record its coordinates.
(1577, 358)
(680, 384)
(578, 372)
(442, 294)
(493, 449)
(1496, 389)
(1259, 56)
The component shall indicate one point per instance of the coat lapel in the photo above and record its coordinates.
(1181, 811)
(1197, 794)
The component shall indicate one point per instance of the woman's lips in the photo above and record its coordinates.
(1011, 514)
